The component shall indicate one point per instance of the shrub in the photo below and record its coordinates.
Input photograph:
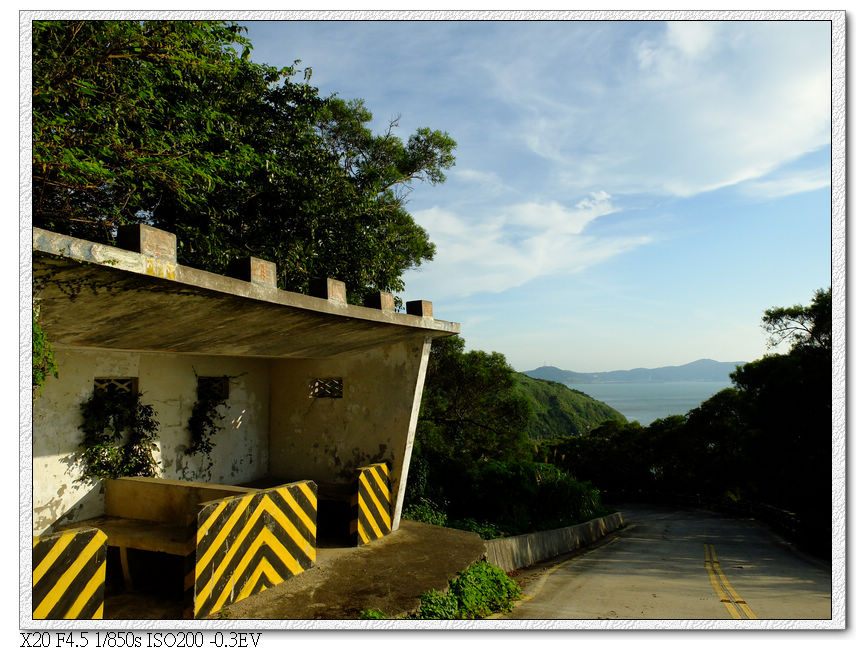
(479, 591)
(425, 511)
(120, 435)
(485, 529)
(483, 589)
(372, 614)
(437, 605)
(43, 353)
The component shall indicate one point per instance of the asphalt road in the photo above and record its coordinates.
(682, 564)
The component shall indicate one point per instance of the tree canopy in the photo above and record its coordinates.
(471, 409)
(804, 326)
(471, 463)
(169, 123)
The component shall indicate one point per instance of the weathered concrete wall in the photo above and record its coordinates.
(520, 551)
(240, 452)
(326, 439)
(168, 383)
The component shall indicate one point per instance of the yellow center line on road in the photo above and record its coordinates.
(731, 608)
(536, 587)
(731, 599)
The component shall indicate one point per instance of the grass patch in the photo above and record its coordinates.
(479, 591)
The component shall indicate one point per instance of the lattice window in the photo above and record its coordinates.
(128, 385)
(326, 387)
(213, 389)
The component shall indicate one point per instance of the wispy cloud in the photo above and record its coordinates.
(513, 246)
(686, 108)
(487, 182)
(776, 186)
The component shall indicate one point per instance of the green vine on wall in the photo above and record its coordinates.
(206, 417)
(120, 435)
(43, 353)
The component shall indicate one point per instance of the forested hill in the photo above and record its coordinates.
(701, 370)
(562, 411)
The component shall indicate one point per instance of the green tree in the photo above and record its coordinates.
(170, 123)
(126, 113)
(43, 353)
(613, 456)
(787, 401)
(804, 326)
(471, 409)
(721, 439)
(471, 432)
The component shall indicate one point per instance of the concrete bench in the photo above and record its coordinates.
(234, 540)
(155, 514)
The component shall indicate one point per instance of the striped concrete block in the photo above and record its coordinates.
(248, 543)
(371, 516)
(69, 574)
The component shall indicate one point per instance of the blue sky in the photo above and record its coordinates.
(626, 194)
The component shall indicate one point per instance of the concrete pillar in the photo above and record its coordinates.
(254, 270)
(380, 300)
(329, 289)
(423, 308)
(412, 426)
(148, 241)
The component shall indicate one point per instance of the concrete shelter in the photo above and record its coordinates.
(316, 388)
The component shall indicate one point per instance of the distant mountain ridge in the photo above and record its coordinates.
(701, 370)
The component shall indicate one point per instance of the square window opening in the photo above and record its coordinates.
(326, 387)
(213, 389)
(124, 385)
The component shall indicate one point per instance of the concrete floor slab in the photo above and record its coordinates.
(389, 574)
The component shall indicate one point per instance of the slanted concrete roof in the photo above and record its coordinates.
(99, 296)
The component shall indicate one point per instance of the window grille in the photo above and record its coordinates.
(213, 388)
(128, 385)
(326, 387)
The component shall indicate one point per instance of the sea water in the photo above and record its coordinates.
(646, 402)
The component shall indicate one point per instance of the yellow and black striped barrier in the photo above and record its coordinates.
(69, 574)
(248, 543)
(371, 516)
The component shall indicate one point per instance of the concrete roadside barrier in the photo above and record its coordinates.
(510, 553)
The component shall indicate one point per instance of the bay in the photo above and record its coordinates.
(646, 402)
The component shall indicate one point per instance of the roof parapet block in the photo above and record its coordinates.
(380, 300)
(254, 270)
(423, 308)
(148, 241)
(329, 289)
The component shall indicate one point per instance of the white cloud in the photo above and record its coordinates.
(787, 184)
(483, 181)
(690, 37)
(517, 244)
(684, 108)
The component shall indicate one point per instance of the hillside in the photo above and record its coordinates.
(701, 370)
(562, 411)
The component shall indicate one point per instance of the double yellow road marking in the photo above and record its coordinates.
(734, 603)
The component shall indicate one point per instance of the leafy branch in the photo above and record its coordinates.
(206, 417)
(43, 353)
(120, 435)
